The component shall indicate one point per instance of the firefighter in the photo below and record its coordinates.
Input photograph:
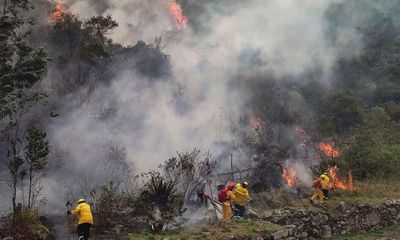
(85, 219)
(325, 185)
(226, 197)
(317, 185)
(241, 196)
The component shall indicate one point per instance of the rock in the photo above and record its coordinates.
(372, 219)
(326, 232)
(118, 229)
(341, 207)
(268, 214)
(8, 238)
(292, 229)
(252, 214)
(280, 234)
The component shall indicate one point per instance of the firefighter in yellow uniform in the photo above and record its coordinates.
(226, 197)
(241, 197)
(325, 184)
(317, 193)
(85, 219)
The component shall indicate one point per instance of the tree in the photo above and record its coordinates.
(21, 68)
(376, 147)
(99, 26)
(36, 158)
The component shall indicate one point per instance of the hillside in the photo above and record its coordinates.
(143, 110)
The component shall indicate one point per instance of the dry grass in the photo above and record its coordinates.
(387, 233)
(239, 229)
(369, 192)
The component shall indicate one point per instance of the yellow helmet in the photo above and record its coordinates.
(81, 200)
(245, 184)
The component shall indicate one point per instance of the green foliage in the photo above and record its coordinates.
(99, 26)
(341, 113)
(26, 225)
(36, 158)
(147, 59)
(37, 149)
(376, 147)
(21, 68)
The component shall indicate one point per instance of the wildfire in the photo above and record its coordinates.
(328, 149)
(176, 11)
(337, 183)
(58, 11)
(289, 175)
(256, 123)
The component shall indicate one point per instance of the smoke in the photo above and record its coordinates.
(194, 106)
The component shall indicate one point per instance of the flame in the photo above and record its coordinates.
(58, 11)
(328, 149)
(337, 183)
(256, 123)
(289, 175)
(176, 12)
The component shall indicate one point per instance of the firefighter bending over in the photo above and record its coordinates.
(317, 185)
(226, 197)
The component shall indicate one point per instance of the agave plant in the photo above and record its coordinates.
(159, 202)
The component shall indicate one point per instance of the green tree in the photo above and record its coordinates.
(99, 26)
(21, 68)
(376, 147)
(36, 159)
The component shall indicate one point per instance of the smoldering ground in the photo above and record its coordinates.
(148, 118)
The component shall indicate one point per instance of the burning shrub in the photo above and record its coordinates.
(159, 202)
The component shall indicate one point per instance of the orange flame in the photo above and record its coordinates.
(328, 149)
(256, 123)
(337, 183)
(176, 11)
(289, 175)
(58, 11)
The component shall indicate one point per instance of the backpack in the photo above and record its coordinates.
(223, 195)
(317, 183)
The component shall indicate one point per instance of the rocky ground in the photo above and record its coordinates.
(372, 212)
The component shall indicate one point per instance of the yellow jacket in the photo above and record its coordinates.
(82, 211)
(325, 181)
(230, 195)
(241, 195)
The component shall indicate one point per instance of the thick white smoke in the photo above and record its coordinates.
(290, 36)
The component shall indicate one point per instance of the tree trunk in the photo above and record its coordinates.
(5, 7)
(30, 188)
(14, 194)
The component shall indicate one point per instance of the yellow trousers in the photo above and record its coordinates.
(227, 211)
(318, 194)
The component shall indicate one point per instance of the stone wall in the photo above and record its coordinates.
(307, 224)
